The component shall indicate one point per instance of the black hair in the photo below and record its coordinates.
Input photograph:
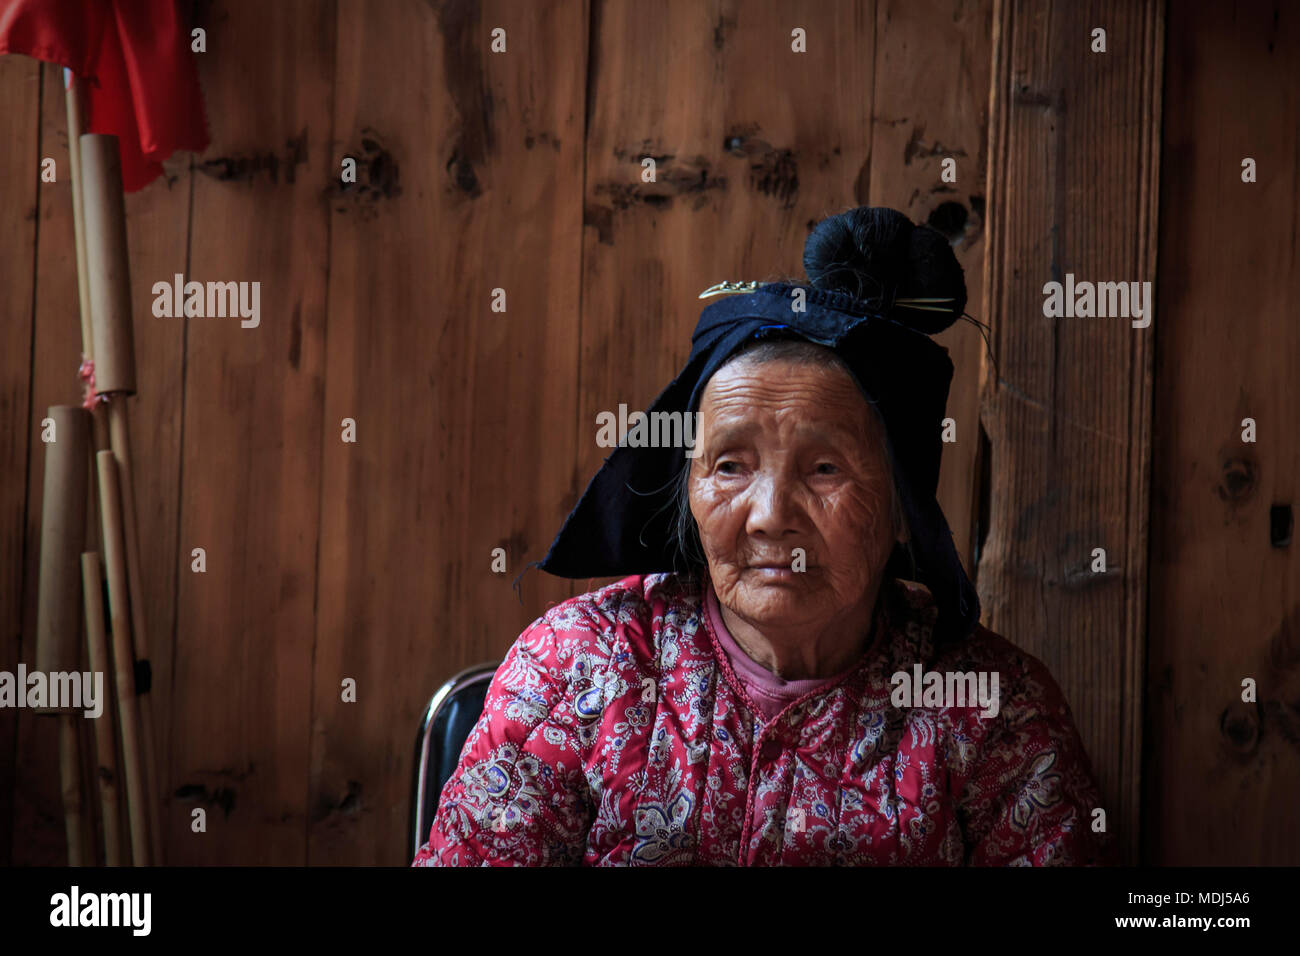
(879, 256)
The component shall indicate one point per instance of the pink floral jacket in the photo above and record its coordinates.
(615, 733)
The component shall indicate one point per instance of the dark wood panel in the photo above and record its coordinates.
(250, 474)
(158, 227)
(1223, 775)
(470, 170)
(1073, 169)
(20, 97)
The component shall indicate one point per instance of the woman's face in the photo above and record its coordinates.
(791, 456)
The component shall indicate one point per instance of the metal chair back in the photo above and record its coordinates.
(452, 712)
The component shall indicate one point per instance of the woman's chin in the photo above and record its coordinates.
(778, 600)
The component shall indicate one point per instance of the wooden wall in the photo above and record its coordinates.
(1223, 777)
(1074, 166)
(475, 429)
(20, 102)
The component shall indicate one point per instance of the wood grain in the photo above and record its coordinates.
(469, 180)
(1224, 775)
(20, 100)
(158, 229)
(244, 629)
(1073, 170)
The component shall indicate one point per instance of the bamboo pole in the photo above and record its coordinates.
(92, 581)
(70, 774)
(73, 87)
(63, 531)
(107, 264)
(123, 656)
(58, 610)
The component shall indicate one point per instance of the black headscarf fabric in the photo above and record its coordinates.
(624, 522)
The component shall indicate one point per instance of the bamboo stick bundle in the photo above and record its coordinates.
(120, 442)
(108, 271)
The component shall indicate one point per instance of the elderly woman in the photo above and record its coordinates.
(771, 683)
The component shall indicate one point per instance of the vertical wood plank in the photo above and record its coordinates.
(931, 104)
(1225, 602)
(251, 445)
(20, 93)
(1073, 170)
(470, 170)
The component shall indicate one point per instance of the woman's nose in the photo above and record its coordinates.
(772, 508)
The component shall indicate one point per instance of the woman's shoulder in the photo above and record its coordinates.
(1026, 685)
(636, 605)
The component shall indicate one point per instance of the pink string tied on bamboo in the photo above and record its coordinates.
(86, 372)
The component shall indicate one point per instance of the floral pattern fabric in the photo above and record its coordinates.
(615, 733)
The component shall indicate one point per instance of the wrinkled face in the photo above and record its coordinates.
(791, 456)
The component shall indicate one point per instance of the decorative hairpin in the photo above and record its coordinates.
(731, 288)
(911, 304)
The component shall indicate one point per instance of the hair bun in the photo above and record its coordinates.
(879, 255)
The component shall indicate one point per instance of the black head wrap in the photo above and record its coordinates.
(624, 522)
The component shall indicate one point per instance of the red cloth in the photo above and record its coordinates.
(616, 733)
(142, 86)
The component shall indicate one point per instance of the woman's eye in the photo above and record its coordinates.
(728, 467)
(826, 468)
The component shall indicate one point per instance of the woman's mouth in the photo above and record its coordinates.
(773, 571)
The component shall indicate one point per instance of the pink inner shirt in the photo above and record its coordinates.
(770, 693)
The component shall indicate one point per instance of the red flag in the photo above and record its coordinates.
(141, 87)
